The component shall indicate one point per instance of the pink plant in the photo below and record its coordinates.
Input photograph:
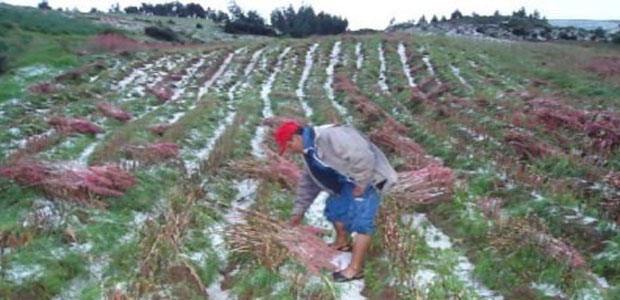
(437, 91)
(111, 111)
(159, 129)
(68, 181)
(275, 122)
(413, 154)
(604, 66)
(42, 88)
(161, 92)
(528, 146)
(429, 185)
(66, 124)
(154, 153)
(275, 168)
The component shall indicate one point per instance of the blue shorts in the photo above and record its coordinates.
(358, 214)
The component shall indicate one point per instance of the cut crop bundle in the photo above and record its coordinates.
(275, 167)
(528, 147)
(160, 129)
(153, 153)
(437, 91)
(517, 233)
(412, 153)
(604, 129)
(42, 88)
(429, 185)
(161, 92)
(77, 73)
(69, 181)
(275, 122)
(66, 124)
(272, 241)
(111, 111)
(555, 114)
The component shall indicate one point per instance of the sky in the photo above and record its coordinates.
(377, 14)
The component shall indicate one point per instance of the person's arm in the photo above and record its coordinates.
(305, 194)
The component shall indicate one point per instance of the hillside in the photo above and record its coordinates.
(147, 172)
(609, 25)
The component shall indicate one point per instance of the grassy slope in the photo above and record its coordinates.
(161, 194)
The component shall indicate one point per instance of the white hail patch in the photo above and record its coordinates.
(438, 240)
(261, 130)
(302, 81)
(203, 90)
(359, 61)
(382, 69)
(314, 216)
(403, 60)
(457, 72)
(83, 157)
(333, 60)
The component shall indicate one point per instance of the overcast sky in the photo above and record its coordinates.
(377, 14)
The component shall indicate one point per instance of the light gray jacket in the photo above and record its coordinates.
(349, 152)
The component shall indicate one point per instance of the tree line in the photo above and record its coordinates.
(284, 21)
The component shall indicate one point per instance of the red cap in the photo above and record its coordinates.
(284, 133)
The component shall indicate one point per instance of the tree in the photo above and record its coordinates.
(131, 10)
(305, 22)
(456, 15)
(521, 13)
(444, 19)
(422, 21)
(599, 33)
(497, 14)
(434, 20)
(115, 8)
(44, 5)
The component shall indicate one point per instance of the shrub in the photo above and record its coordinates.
(616, 38)
(198, 25)
(4, 64)
(163, 33)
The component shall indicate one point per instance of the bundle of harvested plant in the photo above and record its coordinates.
(161, 92)
(66, 124)
(437, 91)
(605, 133)
(275, 122)
(111, 111)
(42, 88)
(76, 73)
(275, 167)
(517, 233)
(68, 181)
(527, 145)
(429, 185)
(272, 241)
(160, 129)
(153, 153)
(555, 114)
(413, 154)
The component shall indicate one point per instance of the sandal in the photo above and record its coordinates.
(339, 277)
(344, 248)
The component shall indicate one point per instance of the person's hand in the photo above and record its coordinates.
(358, 191)
(295, 220)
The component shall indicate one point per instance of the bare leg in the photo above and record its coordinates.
(360, 246)
(341, 235)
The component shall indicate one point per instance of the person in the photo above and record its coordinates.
(342, 161)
